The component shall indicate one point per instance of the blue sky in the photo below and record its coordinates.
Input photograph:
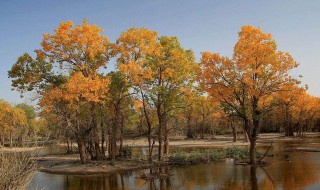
(201, 25)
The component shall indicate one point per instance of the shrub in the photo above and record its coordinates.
(215, 154)
(236, 153)
(195, 157)
(178, 158)
(16, 170)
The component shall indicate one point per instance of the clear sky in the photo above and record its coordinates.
(201, 25)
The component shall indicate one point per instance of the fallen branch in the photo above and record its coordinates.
(260, 160)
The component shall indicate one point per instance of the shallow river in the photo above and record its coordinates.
(301, 172)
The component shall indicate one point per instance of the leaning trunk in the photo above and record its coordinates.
(150, 144)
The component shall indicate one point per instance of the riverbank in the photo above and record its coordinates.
(70, 163)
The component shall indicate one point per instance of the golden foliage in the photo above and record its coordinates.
(81, 48)
(77, 91)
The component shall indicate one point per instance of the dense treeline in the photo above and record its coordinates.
(19, 124)
(158, 89)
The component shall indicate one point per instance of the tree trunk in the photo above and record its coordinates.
(160, 119)
(189, 131)
(82, 149)
(160, 116)
(245, 136)
(20, 139)
(252, 136)
(234, 131)
(290, 125)
(2, 138)
(69, 147)
(10, 138)
(121, 133)
(253, 132)
(202, 130)
(95, 131)
(97, 145)
(252, 151)
(202, 127)
(108, 140)
(103, 134)
(68, 141)
(288, 128)
(166, 137)
(113, 141)
(146, 115)
(160, 140)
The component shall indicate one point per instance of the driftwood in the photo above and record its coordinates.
(242, 163)
(260, 160)
(258, 163)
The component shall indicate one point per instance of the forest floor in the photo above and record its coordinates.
(70, 164)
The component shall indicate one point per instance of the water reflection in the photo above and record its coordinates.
(301, 173)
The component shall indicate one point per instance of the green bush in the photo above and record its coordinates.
(194, 157)
(215, 154)
(178, 158)
(236, 152)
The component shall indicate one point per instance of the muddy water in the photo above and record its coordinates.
(302, 171)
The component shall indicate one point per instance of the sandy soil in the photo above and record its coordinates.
(219, 141)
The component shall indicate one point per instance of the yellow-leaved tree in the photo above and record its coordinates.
(158, 69)
(246, 81)
(66, 75)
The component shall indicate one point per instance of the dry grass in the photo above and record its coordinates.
(16, 170)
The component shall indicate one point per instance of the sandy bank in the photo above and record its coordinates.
(69, 164)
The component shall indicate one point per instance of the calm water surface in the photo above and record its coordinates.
(303, 172)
